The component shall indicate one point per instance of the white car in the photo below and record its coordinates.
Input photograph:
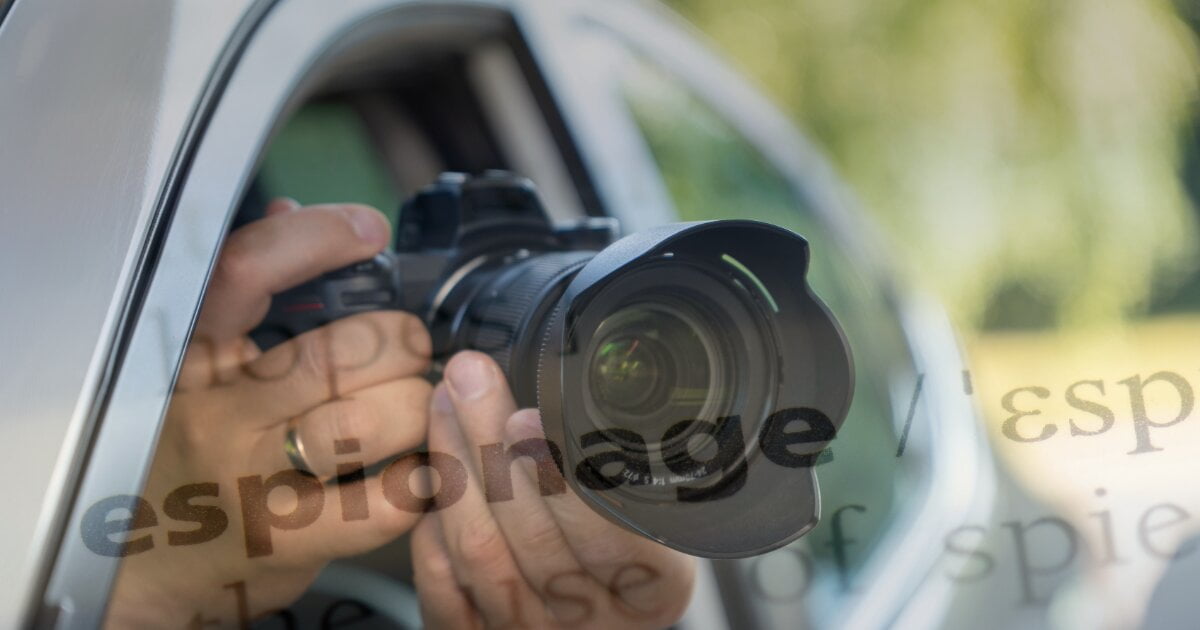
(132, 133)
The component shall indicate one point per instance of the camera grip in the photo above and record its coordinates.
(364, 286)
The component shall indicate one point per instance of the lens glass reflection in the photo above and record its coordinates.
(653, 362)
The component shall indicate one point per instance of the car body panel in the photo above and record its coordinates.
(91, 125)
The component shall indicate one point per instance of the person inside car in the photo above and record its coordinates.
(242, 421)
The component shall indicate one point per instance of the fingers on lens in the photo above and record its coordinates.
(510, 534)
(642, 582)
(483, 565)
(539, 546)
(444, 604)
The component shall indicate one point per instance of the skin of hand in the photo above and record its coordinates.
(359, 378)
(540, 559)
(531, 562)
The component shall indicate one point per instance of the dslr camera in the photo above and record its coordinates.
(687, 376)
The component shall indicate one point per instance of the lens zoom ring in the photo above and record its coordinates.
(512, 298)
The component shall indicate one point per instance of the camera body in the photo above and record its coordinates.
(449, 236)
(687, 376)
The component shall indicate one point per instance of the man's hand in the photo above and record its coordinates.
(354, 393)
(353, 390)
(532, 561)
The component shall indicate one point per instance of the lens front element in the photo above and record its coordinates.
(690, 376)
(651, 361)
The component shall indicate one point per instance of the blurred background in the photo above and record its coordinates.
(1009, 149)
(1036, 166)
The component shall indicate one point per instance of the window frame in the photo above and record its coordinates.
(81, 198)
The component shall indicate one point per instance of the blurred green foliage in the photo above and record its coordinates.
(324, 154)
(1025, 156)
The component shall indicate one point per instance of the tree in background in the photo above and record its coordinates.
(1025, 154)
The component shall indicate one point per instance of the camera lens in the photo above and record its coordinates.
(650, 361)
(658, 363)
(687, 375)
(685, 372)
